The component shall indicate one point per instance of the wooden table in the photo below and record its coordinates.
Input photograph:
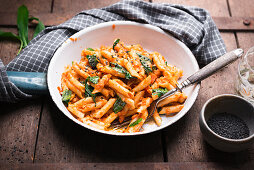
(37, 134)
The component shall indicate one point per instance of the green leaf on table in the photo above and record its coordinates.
(39, 27)
(159, 91)
(121, 69)
(22, 22)
(92, 59)
(118, 105)
(94, 79)
(115, 43)
(8, 35)
(88, 91)
(90, 49)
(66, 96)
(136, 122)
(4, 35)
(146, 63)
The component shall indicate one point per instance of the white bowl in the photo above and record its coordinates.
(150, 37)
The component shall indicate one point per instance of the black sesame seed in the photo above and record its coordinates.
(228, 126)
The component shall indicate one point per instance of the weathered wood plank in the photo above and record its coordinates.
(223, 23)
(246, 40)
(18, 122)
(34, 6)
(64, 10)
(8, 48)
(74, 7)
(8, 10)
(62, 140)
(234, 23)
(215, 8)
(134, 166)
(242, 8)
(184, 140)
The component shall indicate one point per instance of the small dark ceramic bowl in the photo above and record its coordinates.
(227, 103)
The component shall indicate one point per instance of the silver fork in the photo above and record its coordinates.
(200, 75)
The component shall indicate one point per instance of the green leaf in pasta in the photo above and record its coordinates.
(159, 91)
(115, 43)
(118, 105)
(92, 59)
(90, 49)
(88, 91)
(121, 69)
(154, 67)
(66, 96)
(136, 122)
(146, 63)
(94, 79)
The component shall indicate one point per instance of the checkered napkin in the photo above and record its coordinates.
(193, 26)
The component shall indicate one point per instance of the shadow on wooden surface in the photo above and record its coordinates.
(18, 124)
(60, 139)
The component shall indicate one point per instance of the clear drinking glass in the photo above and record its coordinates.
(245, 81)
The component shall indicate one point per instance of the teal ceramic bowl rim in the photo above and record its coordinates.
(215, 134)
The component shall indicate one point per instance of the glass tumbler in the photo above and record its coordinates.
(245, 80)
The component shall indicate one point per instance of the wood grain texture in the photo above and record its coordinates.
(8, 48)
(234, 23)
(243, 8)
(18, 122)
(223, 23)
(75, 6)
(184, 140)
(246, 40)
(34, 6)
(133, 166)
(62, 140)
(10, 8)
(215, 8)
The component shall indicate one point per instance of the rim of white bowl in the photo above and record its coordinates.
(210, 130)
(106, 24)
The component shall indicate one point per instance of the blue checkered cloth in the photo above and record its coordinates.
(193, 26)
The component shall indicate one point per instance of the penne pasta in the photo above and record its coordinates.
(100, 85)
(93, 106)
(171, 99)
(171, 109)
(120, 81)
(120, 89)
(157, 118)
(143, 84)
(104, 109)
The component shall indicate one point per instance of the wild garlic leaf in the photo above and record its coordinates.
(136, 122)
(10, 35)
(90, 49)
(39, 27)
(121, 69)
(22, 22)
(94, 79)
(92, 59)
(118, 105)
(159, 91)
(146, 63)
(88, 91)
(66, 96)
(115, 43)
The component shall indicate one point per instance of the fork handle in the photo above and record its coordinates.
(206, 71)
(215, 66)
